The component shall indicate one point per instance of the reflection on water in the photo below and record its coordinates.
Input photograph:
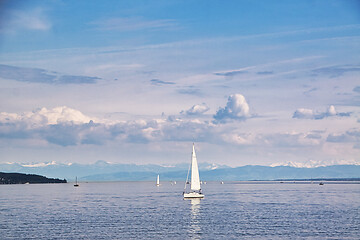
(195, 229)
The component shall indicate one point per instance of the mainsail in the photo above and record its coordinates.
(195, 190)
(195, 179)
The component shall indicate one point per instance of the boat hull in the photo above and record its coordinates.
(193, 195)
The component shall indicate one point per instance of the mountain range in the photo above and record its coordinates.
(103, 171)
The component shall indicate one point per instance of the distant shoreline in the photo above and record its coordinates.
(317, 180)
(21, 178)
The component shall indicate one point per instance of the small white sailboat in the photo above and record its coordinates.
(195, 188)
(158, 181)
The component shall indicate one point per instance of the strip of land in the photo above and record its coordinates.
(21, 178)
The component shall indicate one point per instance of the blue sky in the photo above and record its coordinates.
(251, 82)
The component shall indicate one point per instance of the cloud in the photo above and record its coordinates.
(69, 79)
(190, 90)
(34, 19)
(352, 135)
(265, 73)
(44, 116)
(231, 73)
(241, 139)
(357, 89)
(42, 76)
(26, 74)
(337, 71)
(179, 130)
(158, 82)
(61, 134)
(307, 92)
(236, 108)
(64, 126)
(133, 24)
(197, 109)
(292, 139)
(303, 113)
(273, 140)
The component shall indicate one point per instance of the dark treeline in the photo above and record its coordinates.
(20, 178)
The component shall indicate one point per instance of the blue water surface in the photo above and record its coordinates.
(141, 210)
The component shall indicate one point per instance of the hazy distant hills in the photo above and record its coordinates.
(239, 173)
(69, 171)
(103, 171)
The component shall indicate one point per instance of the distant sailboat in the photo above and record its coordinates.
(158, 181)
(195, 189)
(76, 184)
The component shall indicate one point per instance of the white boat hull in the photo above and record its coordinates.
(193, 195)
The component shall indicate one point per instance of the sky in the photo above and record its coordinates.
(250, 82)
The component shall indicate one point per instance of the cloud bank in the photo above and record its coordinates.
(66, 127)
(44, 116)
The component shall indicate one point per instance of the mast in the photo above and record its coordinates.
(195, 179)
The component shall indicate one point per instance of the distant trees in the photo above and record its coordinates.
(21, 178)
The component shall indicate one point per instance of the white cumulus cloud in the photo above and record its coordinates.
(236, 108)
(197, 109)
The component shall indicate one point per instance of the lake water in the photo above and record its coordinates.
(140, 210)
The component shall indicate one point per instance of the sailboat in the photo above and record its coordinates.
(76, 184)
(195, 189)
(158, 181)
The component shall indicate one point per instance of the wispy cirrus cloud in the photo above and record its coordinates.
(42, 76)
(336, 71)
(158, 82)
(133, 24)
(34, 19)
(357, 89)
(265, 73)
(190, 90)
(231, 73)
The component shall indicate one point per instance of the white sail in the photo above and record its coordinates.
(195, 179)
(195, 190)
(158, 180)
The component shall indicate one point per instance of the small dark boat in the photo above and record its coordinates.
(76, 184)
(321, 183)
